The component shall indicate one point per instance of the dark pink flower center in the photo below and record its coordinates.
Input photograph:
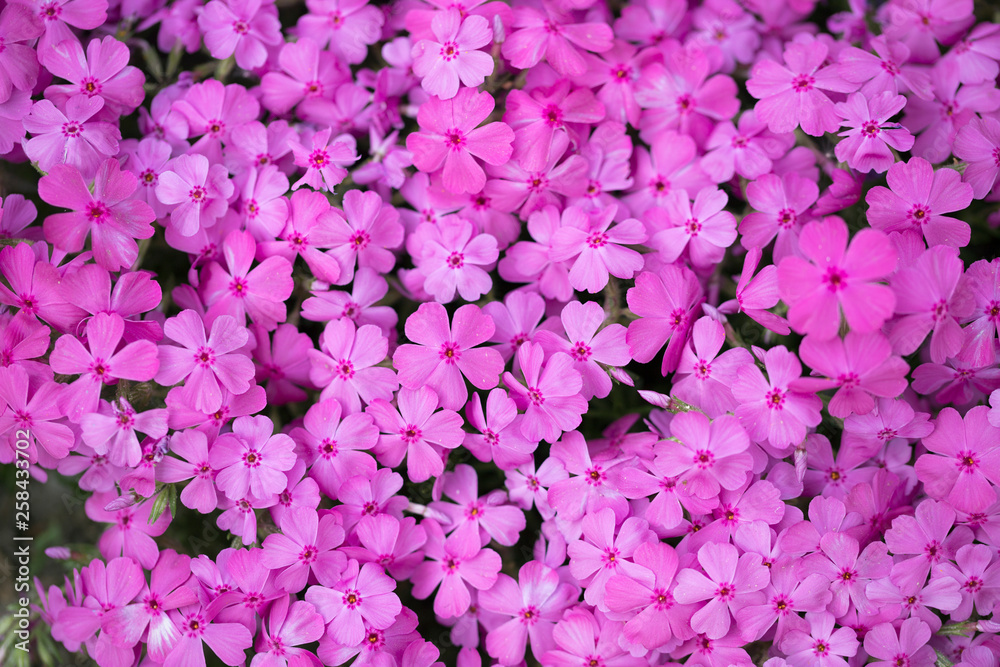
(449, 353)
(239, 287)
(197, 195)
(967, 461)
(456, 260)
(553, 116)
(410, 433)
(360, 240)
(240, 27)
(535, 396)
(870, 129)
(72, 129)
(775, 399)
(803, 83)
(90, 86)
(835, 279)
(449, 51)
(786, 218)
(252, 459)
(455, 139)
(345, 369)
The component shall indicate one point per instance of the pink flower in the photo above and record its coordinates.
(704, 230)
(455, 564)
(103, 72)
(103, 363)
(964, 458)
(335, 445)
(549, 35)
(704, 377)
(534, 603)
(978, 143)
(450, 138)
(33, 406)
(514, 188)
(453, 54)
(242, 27)
(499, 438)
(780, 200)
(444, 355)
(203, 363)
(289, 625)
(488, 517)
(450, 255)
(665, 303)
(306, 544)
(197, 193)
(821, 646)
(131, 533)
(113, 430)
(861, 365)
(707, 455)
(755, 294)
(251, 459)
(108, 213)
(191, 446)
(214, 111)
(837, 277)
(550, 396)
(917, 197)
(885, 70)
(345, 365)
(536, 117)
(348, 26)
(415, 431)
(589, 347)
(228, 641)
(791, 95)
(733, 581)
(71, 138)
(595, 249)
(282, 362)
(772, 409)
(580, 637)
(870, 135)
(18, 63)
(604, 552)
(239, 291)
(303, 78)
(747, 149)
(910, 647)
(365, 235)
(324, 159)
(928, 301)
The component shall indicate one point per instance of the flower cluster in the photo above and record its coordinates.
(556, 332)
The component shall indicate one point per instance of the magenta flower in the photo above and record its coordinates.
(595, 249)
(705, 229)
(780, 204)
(72, 137)
(604, 552)
(130, 533)
(108, 213)
(747, 148)
(103, 72)
(773, 410)
(415, 431)
(580, 637)
(324, 159)
(885, 70)
(666, 303)
(451, 139)
(364, 236)
(534, 603)
(213, 111)
(241, 27)
(792, 95)
(252, 459)
(978, 143)
(348, 26)
(849, 570)
(978, 575)
(306, 544)
(836, 277)
(550, 396)
(455, 563)
(489, 516)
(453, 54)
(205, 363)
(917, 197)
(822, 645)
(345, 365)
(197, 626)
(964, 458)
(100, 363)
(786, 596)
(706, 456)
(112, 430)
(290, 623)
(197, 194)
(861, 365)
(731, 582)
(134, 293)
(444, 355)
(550, 35)
(870, 136)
